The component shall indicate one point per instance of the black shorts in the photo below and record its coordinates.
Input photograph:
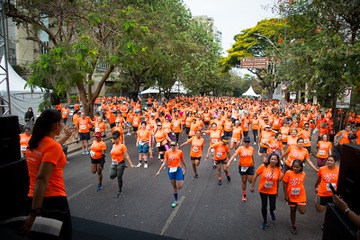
(97, 161)
(220, 162)
(323, 200)
(84, 136)
(135, 129)
(195, 158)
(262, 150)
(247, 170)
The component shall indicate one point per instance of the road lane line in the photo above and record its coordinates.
(172, 216)
(81, 190)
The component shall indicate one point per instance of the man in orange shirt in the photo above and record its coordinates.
(306, 135)
(65, 111)
(97, 156)
(196, 150)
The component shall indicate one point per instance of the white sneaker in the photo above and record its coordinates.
(139, 165)
(235, 160)
(254, 143)
(159, 157)
(145, 165)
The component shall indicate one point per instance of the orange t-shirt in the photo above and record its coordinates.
(176, 125)
(117, 152)
(306, 135)
(246, 156)
(264, 137)
(269, 179)
(327, 176)
(345, 137)
(197, 145)
(48, 151)
(100, 127)
(236, 134)
(215, 135)
(323, 149)
(160, 138)
(144, 135)
(296, 153)
(24, 141)
(255, 124)
(284, 133)
(274, 145)
(174, 157)
(228, 126)
(65, 112)
(291, 141)
(295, 186)
(97, 149)
(84, 124)
(221, 151)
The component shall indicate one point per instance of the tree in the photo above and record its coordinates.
(249, 45)
(327, 52)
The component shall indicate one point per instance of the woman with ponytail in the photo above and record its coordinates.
(46, 161)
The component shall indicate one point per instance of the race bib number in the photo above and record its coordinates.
(306, 140)
(214, 140)
(82, 126)
(97, 129)
(173, 169)
(114, 162)
(192, 133)
(158, 144)
(244, 169)
(92, 154)
(246, 125)
(295, 191)
(327, 186)
(176, 124)
(219, 155)
(23, 148)
(322, 152)
(234, 140)
(268, 184)
(195, 149)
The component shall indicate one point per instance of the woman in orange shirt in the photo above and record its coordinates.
(328, 174)
(297, 152)
(196, 150)
(294, 191)
(174, 158)
(143, 142)
(46, 161)
(118, 153)
(246, 164)
(292, 138)
(270, 176)
(324, 150)
(161, 140)
(24, 140)
(275, 145)
(97, 156)
(99, 126)
(221, 156)
(237, 135)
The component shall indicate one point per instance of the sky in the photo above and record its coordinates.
(232, 16)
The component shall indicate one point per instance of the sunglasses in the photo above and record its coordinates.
(115, 138)
(172, 145)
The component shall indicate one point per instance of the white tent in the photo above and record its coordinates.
(250, 92)
(21, 98)
(176, 88)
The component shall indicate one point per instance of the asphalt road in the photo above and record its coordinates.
(206, 210)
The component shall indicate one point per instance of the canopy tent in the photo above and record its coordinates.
(176, 88)
(21, 97)
(250, 92)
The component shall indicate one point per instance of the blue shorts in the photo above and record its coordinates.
(143, 148)
(177, 175)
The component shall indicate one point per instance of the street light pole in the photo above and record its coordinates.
(281, 53)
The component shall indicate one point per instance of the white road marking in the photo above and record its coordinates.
(172, 216)
(80, 191)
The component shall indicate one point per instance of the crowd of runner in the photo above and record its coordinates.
(283, 138)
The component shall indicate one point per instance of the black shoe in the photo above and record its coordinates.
(119, 194)
(196, 176)
(214, 166)
(272, 214)
(228, 178)
(219, 182)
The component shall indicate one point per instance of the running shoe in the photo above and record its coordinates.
(254, 143)
(214, 166)
(244, 198)
(196, 176)
(119, 194)
(99, 187)
(83, 153)
(228, 178)
(139, 165)
(145, 165)
(174, 204)
(264, 225)
(234, 159)
(87, 152)
(272, 214)
(219, 182)
(293, 230)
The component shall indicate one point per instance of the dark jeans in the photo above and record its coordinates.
(255, 133)
(118, 171)
(272, 202)
(57, 208)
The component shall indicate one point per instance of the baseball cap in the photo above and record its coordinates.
(246, 139)
(97, 134)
